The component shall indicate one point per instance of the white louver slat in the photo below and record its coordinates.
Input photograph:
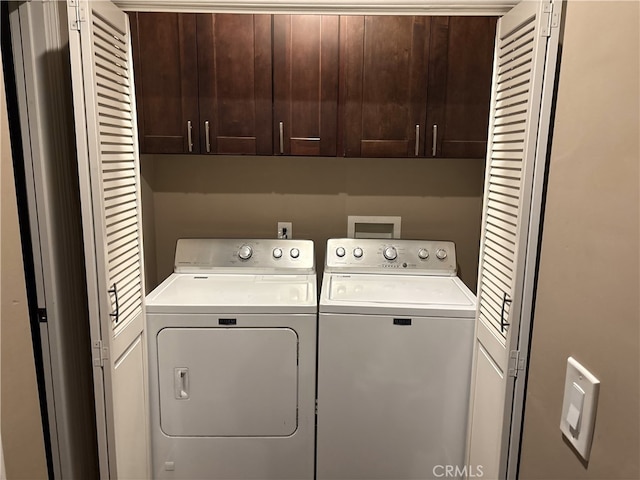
(505, 162)
(117, 153)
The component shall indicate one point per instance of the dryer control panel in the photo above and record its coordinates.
(196, 255)
(418, 257)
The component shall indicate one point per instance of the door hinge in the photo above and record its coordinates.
(100, 354)
(550, 20)
(77, 14)
(42, 315)
(516, 364)
(316, 406)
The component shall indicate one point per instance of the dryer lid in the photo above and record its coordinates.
(209, 293)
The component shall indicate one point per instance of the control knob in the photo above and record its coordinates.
(441, 253)
(277, 252)
(390, 253)
(295, 253)
(358, 252)
(423, 254)
(245, 252)
(340, 252)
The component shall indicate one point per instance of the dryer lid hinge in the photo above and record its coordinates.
(100, 354)
(516, 363)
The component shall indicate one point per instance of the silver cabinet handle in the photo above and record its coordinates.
(435, 139)
(281, 138)
(417, 140)
(503, 323)
(207, 136)
(189, 135)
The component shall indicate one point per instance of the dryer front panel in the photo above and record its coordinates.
(228, 382)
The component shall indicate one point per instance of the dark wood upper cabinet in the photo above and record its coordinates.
(358, 86)
(459, 88)
(384, 62)
(203, 82)
(165, 69)
(305, 89)
(235, 85)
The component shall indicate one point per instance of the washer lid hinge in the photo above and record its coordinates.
(516, 364)
(100, 354)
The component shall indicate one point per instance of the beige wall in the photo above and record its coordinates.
(148, 228)
(588, 291)
(22, 440)
(199, 196)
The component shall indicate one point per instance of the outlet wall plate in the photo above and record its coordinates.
(285, 230)
(581, 390)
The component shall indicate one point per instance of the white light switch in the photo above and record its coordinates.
(579, 407)
(575, 408)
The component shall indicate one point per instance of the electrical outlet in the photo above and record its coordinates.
(285, 230)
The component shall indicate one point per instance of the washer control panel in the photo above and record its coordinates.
(215, 254)
(420, 257)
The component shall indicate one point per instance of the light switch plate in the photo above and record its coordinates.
(578, 418)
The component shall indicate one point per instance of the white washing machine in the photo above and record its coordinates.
(232, 361)
(394, 360)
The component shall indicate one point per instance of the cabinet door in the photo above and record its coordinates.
(459, 89)
(235, 85)
(165, 68)
(384, 85)
(305, 76)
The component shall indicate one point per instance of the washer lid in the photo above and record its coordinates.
(388, 294)
(226, 293)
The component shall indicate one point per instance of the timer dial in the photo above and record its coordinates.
(441, 253)
(295, 253)
(390, 253)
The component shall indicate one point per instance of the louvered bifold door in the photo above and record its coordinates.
(108, 165)
(513, 128)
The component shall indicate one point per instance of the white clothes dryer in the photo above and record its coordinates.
(232, 361)
(394, 360)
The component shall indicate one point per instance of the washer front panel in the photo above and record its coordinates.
(392, 395)
(226, 382)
